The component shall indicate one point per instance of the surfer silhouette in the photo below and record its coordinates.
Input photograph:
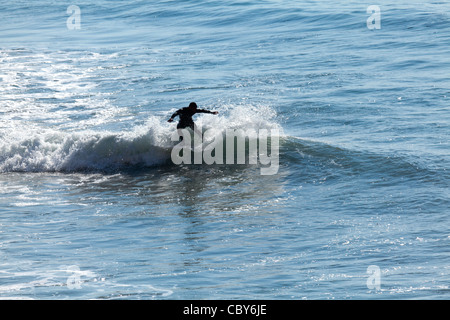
(186, 114)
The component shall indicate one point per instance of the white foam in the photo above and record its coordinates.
(61, 151)
(38, 149)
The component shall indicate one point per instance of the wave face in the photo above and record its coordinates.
(55, 151)
(75, 152)
(91, 200)
(150, 146)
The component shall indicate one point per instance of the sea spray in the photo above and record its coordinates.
(52, 150)
(234, 147)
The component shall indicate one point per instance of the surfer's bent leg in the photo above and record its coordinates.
(184, 126)
(181, 126)
(195, 129)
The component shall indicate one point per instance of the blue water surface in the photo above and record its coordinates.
(92, 207)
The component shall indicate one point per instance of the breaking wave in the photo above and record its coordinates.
(148, 145)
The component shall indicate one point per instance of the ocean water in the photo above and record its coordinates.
(93, 207)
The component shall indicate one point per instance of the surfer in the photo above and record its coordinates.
(186, 114)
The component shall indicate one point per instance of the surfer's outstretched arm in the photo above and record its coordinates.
(173, 116)
(206, 111)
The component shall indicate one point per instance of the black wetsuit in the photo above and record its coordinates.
(185, 115)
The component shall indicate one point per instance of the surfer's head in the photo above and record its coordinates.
(193, 105)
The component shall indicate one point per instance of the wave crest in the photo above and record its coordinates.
(48, 150)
